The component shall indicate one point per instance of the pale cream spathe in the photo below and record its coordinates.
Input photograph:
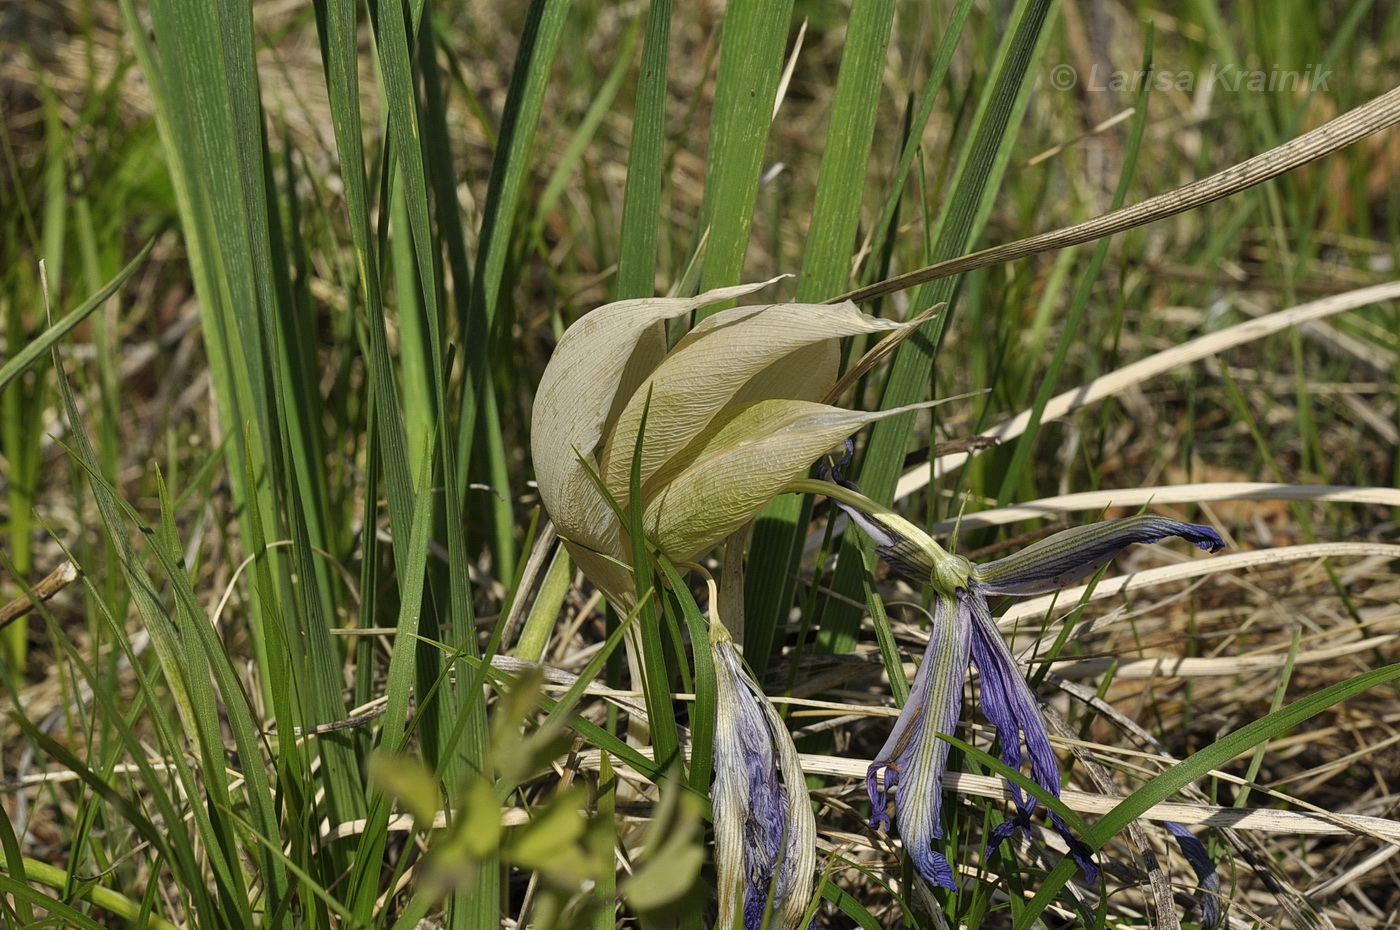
(733, 414)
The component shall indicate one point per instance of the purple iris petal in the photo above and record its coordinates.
(913, 757)
(751, 798)
(1207, 881)
(1011, 706)
(1067, 557)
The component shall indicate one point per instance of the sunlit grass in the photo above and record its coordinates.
(287, 447)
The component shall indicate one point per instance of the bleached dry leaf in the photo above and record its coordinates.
(1114, 382)
(1173, 494)
(1372, 116)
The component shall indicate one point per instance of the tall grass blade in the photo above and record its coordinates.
(750, 63)
(33, 350)
(641, 200)
(826, 267)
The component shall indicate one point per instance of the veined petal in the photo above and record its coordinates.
(1008, 702)
(1207, 881)
(913, 757)
(735, 357)
(595, 369)
(765, 831)
(1067, 557)
(741, 462)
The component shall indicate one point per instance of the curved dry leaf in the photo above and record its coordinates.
(1372, 116)
(1172, 494)
(1137, 372)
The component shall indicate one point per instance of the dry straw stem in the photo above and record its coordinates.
(1129, 375)
(1371, 117)
(52, 583)
(1264, 820)
(1173, 494)
(1195, 568)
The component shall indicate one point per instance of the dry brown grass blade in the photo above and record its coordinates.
(52, 583)
(1371, 117)
(1172, 494)
(1160, 363)
(1168, 667)
(1265, 820)
(1032, 608)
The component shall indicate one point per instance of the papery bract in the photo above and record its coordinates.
(731, 416)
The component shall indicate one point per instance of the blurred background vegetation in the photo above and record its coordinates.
(289, 453)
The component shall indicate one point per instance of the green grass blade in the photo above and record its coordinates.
(399, 685)
(750, 63)
(777, 541)
(702, 712)
(435, 717)
(641, 200)
(976, 179)
(656, 675)
(21, 361)
(1198, 766)
(539, 42)
(192, 694)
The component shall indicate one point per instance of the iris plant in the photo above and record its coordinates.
(732, 412)
(914, 758)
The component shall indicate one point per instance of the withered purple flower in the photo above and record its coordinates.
(963, 632)
(765, 832)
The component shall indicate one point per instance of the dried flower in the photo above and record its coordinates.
(765, 833)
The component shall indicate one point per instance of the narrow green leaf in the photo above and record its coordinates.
(702, 712)
(976, 179)
(641, 199)
(25, 358)
(826, 266)
(1198, 766)
(750, 63)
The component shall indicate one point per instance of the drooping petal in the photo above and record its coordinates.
(735, 357)
(740, 462)
(1207, 881)
(765, 831)
(913, 758)
(1067, 557)
(1008, 702)
(596, 367)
